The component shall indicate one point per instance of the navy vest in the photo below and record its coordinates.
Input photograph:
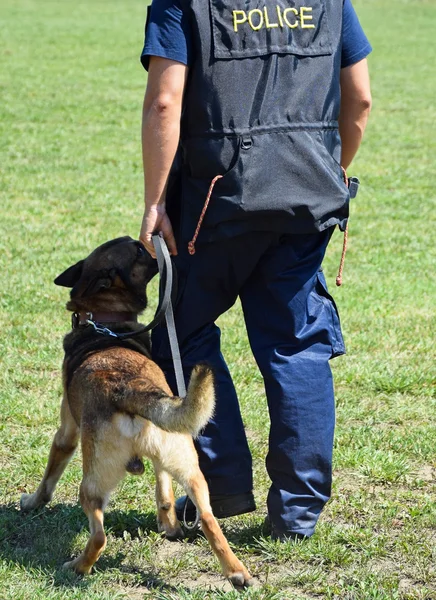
(261, 108)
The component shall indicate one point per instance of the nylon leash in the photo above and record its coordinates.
(165, 265)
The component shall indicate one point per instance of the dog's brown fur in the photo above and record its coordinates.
(116, 399)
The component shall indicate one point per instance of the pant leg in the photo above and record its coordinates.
(222, 448)
(294, 330)
(209, 283)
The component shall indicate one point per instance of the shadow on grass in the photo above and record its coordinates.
(44, 540)
(246, 536)
(240, 536)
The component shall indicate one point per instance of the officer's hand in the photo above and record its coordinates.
(155, 220)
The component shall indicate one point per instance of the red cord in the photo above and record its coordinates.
(345, 242)
(191, 244)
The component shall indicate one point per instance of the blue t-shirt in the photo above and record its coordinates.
(169, 35)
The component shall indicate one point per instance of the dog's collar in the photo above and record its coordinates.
(81, 319)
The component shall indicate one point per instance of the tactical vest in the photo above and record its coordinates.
(261, 108)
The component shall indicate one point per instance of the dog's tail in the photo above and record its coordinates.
(182, 415)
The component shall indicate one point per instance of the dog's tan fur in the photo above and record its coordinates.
(119, 404)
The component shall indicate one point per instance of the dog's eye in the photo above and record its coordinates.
(141, 250)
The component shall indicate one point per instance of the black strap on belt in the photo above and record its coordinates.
(164, 310)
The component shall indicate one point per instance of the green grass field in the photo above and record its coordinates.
(71, 90)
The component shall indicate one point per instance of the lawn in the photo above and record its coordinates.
(70, 178)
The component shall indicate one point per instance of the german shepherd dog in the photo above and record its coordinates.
(116, 399)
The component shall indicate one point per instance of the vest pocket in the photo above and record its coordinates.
(259, 28)
(297, 172)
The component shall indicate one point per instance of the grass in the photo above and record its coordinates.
(71, 93)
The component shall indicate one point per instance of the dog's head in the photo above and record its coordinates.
(112, 278)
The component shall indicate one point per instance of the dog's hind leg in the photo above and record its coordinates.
(183, 466)
(62, 449)
(232, 567)
(167, 521)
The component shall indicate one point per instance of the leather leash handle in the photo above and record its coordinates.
(165, 266)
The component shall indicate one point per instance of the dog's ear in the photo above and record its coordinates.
(71, 276)
(83, 284)
(88, 286)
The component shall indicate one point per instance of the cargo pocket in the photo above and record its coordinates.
(335, 332)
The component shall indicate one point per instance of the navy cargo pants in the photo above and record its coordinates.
(294, 330)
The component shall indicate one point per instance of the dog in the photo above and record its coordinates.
(117, 400)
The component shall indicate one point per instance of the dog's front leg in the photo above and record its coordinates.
(62, 449)
(167, 521)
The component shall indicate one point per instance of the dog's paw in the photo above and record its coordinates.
(29, 502)
(239, 576)
(171, 532)
(174, 534)
(77, 566)
(241, 579)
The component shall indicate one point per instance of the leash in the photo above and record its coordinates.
(164, 263)
(352, 184)
(344, 242)
(164, 310)
(191, 244)
(194, 525)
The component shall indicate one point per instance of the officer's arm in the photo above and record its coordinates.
(160, 137)
(355, 108)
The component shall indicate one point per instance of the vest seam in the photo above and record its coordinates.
(265, 130)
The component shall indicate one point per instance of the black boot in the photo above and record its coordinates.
(222, 506)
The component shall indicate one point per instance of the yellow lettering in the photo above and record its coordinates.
(279, 15)
(268, 25)
(304, 17)
(238, 21)
(285, 13)
(250, 19)
(258, 18)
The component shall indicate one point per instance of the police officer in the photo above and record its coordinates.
(256, 106)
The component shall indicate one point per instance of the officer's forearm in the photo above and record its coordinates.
(161, 124)
(160, 137)
(351, 128)
(355, 109)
